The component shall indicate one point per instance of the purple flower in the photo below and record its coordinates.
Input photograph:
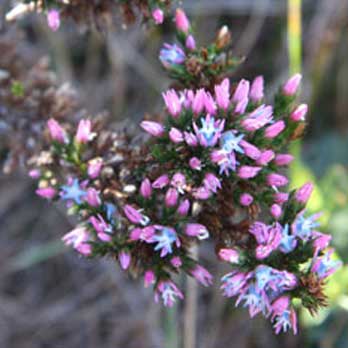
(176, 262)
(303, 194)
(146, 188)
(281, 197)
(209, 104)
(171, 198)
(222, 94)
(149, 278)
(195, 163)
(190, 139)
(231, 142)
(175, 135)
(256, 91)
(94, 167)
(153, 128)
(179, 182)
(172, 102)
(211, 182)
(135, 216)
(165, 238)
(250, 150)
(197, 230)
(265, 157)
(171, 55)
(276, 211)
(277, 180)
(234, 283)
(291, 86)
(201, 193)
(84, 133)
(248, 172)
(325, 266)
(288, 242)
(229, 255)
(241, 106)
(303, 227)
(202, 275)
(103, 229)
(246, 199)
(46, 192)
(184, 207)
(125, 259)
(79, 238)
(161, 182)
(198, 102)
(241, 92)
(210, 131)
(283, 159)
(93, 198)
(274, 130)
(258, 118)
(53, 19)
(190, 43)
(168, 292)
(283, 315)
(56, 131)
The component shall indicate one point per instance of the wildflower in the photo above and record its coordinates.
(277, 180)
(175, 135)
(291, 86)
(283, 315)
(303, 227)
(210, 132)
(179, 182)
(168, 292)
(153, 128)
(241, 92)
(229, 255)
(324, 266)
(171, 55)
(274, 130)
(281, 197)
(94, 167)
(195, 163)
(234, 283)
(56, 131)
(256, 91)
(135, 216)
(46, 192)
(164, 239)
(288, 242)
(53, 19)
(172, 102)
(184, 207)
(125, 259)
(299, 113)
(209, 103)
(202, 275)
(161, 182)
(73, 192)
(190, 139)
(226, 161)
(158, 16)
(103, 229)
(303, 194)
(248, 172)
(146, 188)
(321, 242)
(241, 106)
(84, 133)
(258, 118)
(190, 43)
(197, 230)
(92, 197)
(283, 159)
(181, 21)
(230, 141)
(222, 94)
(79, 238)
(246, 199)
(254, 299)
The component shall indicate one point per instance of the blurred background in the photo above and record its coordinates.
(49, 297)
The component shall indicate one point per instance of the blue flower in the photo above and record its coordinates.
(255, 300)
(165, 240)
(73, 192)
(288, 242)
(171, 55)
(210, 131)
(230, 142)
(303, 227)
(110, 209)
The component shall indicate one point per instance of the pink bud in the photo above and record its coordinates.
(93, 198)
(56, 131)
(303, 194)
(242, 91)
(84, 134)
(146, 188)
(274, 130)
(201, 193)
(181, 21)
(53, 19)
(158, 16)
(283, 159)
(209, 104)
(280, 197)
(277, 180)
(134, 215)
(171, 198)
(299, 114)
(246, 199)
(172, 102)
(190, 139)
(34, 173)
(176, 262)
(161, 182)
(153, 128)
(248, 172)
(291, 86)
(250, 150)
(198, 102)
(184, 207)
(178, 181)
(256, 91)
(195, 163)
(149, 278)
(176, 136)
(222, 94)
(229, 255)
(94, 167)
(241, 106)
(197, 230)
(125, 259)
(47, 192)
(211, 182)
(276, 211)
(190, 43)
(266, 157)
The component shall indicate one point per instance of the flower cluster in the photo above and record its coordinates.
(194, 66)
(94, 12)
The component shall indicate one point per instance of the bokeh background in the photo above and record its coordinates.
(49, 297)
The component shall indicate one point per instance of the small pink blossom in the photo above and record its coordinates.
(195, 163)
(283, 159)
(161, 182)
(303, 194)
(181, 21)
(158, 16)
(229, 255)
(256, 91)
(53, 19)
(124, 258)
(46, 192)
(248, 172)
(202, 275)
(153, 128)
(172, 102)
(184, 207)
(94, 167)
(277, 180)
(175, 135)
(299, 114)
(149, 278)
(241, 92)
(56, 131)
(146, 188)
(222, 94)
(92, 197)
(291, 86)
(246, 199)
(274, 130)
(197, 230)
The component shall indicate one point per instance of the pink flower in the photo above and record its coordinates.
(190, 139)
(149, 278)
(274, 130)
(198, 102)
(276, 211)
(53, 19)
(184, 207)
(102, 228)
(179, 182)
(84, 134)
(211, 182)
(125, 259)
(167, 291)
(246, 199)
(202, 275)
(266, 157)
(201, 193)
(135, 216)
(46, 192)
(321, 242)
(34, 173)
(176, 262)
(190, 43)
(56, 131)
(175, 135)
(299, 114)
(181, 21)
(94, 167)
(158, 16)
(171, 198)
(291, 86)
(146, 188)
(277, 180)
(283, 159)
(197, 230)
(153, 128)
(241, 106)
(93, 198)
(209, 104)
(258, 118)
(303, 194)
(161, 182)
(280, 197)
(172, 102)
(248, 172)
(250, 150)
(222, 94)
(79, 238)
(195, 163)
(256, 91)
(241, 92)
(229, 255)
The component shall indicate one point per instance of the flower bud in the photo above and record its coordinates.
(175, 135)
(197, 230)
(158, 16)
(303, 194)
(184, 207)
(283, 159)
(299, 114)
(84, 134)
(56, 131)
(248, 172)
(53, 19)
(47, 192)
(266, 157)
(229, 255)
(176, 262)
(34, 173)
(181, 21)
(256, 91)
(146, 188)
(93, 198)
(241, 92)
(246, 199)
(291, 86)
(190, 43)
(161, 182)
(277, 180)
(94, 167)
(149, 278)
(153, 128)
(125, 258)
(276, 211)
(195, 163)
(274, 130)
(171, 198)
